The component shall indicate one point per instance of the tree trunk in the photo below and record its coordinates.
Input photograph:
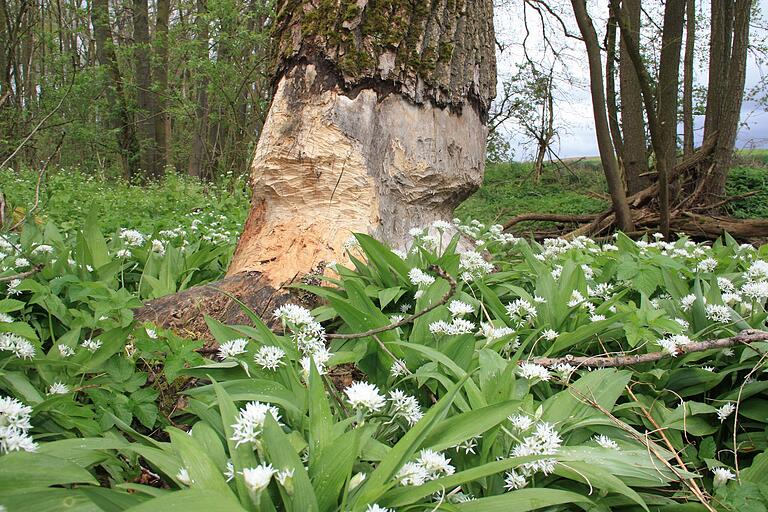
(197, 157)
(666, 103)
(607, 154)
(690, 46)
(634, 148)
(610, 90)
(118, 117)
(728, 56)
(144, 96)
(377, 125)
(162, 119)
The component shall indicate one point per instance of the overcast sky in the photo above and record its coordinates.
(573, 108)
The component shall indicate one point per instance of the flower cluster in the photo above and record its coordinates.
(430, 465)
(250, 422)
(20, 347)
(365, 397)
(14, 426)
(544, 440)
(308, 335)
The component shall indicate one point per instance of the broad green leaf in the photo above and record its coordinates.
(523, 500)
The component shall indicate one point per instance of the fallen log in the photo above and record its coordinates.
(547, 217)
(185, 311)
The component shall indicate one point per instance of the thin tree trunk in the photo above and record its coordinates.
(162, 119)
(602, 130)
(725, 114)
(666, 102)
(634, 148)
(118, 117)
(610, 90)
(690, 46)
(197, 157)
(144, 97)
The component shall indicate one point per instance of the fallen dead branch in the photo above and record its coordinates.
(743, 338)
(548, 217)
(22, 275)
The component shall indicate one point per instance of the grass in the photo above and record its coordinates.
(509, 189)
(68, 196)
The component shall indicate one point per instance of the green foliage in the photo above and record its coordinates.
(748, 180)
(68, 196)
(455, 414)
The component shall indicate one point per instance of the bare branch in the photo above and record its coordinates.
(744, 337)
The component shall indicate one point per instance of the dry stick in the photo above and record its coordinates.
(651, 447)
(22, 275)
(406, 320)
(549, 217)
(744, 337)
(691, 483)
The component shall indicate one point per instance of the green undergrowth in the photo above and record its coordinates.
(67, 196)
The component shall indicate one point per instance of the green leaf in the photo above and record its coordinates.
(192, 500)
(23, 470)
(334, 468)
(202, 470)
(283, 457)
(523, 500)
(463, 426)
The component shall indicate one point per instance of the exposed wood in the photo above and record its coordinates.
(377, 129)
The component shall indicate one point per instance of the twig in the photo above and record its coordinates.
(22, 275)
(650, 446)
(744, 337)
(408, 319)
(690, 482)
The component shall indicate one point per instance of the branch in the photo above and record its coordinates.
(22, 275)
(744, 337)
(408, 319)
(548, 217)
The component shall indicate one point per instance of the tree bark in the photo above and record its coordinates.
(666, 103)
(162, 119)
(197, 157)
(118, 118)
(728, 62)
(602, 130)
(634, 149)
(690, 46)
(377, 125)
(144, 96)
(610, 92)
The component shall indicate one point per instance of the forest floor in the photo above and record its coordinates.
(509, 189)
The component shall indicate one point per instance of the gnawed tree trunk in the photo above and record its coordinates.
(377, 125)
